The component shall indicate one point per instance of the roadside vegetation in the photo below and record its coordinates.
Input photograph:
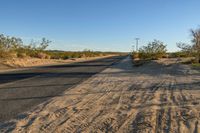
(192, 50)
(78, 54)
(153, 51)
(12, 47)
(157, 49)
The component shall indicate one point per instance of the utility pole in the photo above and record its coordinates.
(137, 39)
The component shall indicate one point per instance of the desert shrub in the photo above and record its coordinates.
(154, 50)
(192, 49)
(75, 55)
(82, 56)
(68, 55)
(135, 55)
(195, 61)
(8, 46)
(8, 54)
(48, 56)
(11, 47)
(177, 54)
(42, 55)
(190, 61)
(54, 55)
(165, 56)
(21, 55)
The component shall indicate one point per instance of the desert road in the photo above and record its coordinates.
(22, 90)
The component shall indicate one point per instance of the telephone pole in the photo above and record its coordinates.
(137, 40)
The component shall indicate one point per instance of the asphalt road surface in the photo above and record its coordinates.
(22, 90)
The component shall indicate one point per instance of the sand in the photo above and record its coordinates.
(161, 96)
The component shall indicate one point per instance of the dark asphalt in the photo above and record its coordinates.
(22, 90)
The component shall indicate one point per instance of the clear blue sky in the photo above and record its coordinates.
(107, 25)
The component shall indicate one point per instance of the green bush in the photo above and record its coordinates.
(154, 50)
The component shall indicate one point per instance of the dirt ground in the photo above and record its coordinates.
(161, 96)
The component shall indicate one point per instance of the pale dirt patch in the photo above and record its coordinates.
(160, 96)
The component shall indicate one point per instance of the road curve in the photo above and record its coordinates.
(22, 90)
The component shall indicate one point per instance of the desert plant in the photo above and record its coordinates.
(41, 55)
(135, 55)
(194, 48)
(196, 42)
(186, 49)
(153, 50)
(21, 55)
(14, 47)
